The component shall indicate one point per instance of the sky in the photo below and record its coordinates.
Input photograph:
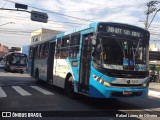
(16, 26)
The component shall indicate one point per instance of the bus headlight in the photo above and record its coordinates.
(107, 84)
(144, 84)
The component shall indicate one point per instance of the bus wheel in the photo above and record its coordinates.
(70, 87)
(37, 76)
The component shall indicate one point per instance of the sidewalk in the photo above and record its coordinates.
(154, 90)
(154, 86)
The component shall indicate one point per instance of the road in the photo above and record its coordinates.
(19, 92)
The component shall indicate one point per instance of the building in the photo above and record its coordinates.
(3, 50)
(154, 61)
(42, 35)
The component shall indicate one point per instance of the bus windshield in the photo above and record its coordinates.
(18, 59)
(23, 60)
(121, 53)
(15, 59)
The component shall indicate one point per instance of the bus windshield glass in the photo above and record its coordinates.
(15, 58)
(121, 53)
(23, 59)
(18, 59)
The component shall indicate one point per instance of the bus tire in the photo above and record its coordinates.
(36, 76)
(69, 87)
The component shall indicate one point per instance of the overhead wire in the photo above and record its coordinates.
(49, 11)
(56, 13)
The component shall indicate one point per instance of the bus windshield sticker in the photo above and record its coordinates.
(109, 66)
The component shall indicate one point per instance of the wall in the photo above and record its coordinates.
(3, 50)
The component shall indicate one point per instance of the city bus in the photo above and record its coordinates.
(99, 60)
(16, 62)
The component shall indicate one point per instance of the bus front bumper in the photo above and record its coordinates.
(100, 91)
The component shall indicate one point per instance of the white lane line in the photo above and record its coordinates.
(2, 93)
(154, 93)
(42, 90)
(21, 90)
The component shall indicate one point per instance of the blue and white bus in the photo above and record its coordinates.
(100, 60)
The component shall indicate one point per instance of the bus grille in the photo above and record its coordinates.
(127, 74)
(126, 85)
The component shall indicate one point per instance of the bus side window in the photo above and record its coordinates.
(58, 43)
(64, 48)
(74, 46)
(41, 50)
(46, 50)
(30, 53)
(36, 51)
(58, 46)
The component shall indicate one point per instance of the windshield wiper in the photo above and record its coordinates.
(137, 47)
(134, 54)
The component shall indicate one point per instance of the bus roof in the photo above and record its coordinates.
(91, 25)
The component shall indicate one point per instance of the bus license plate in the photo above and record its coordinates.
(127, 93)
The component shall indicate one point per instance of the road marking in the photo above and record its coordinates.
(2, 93)
(21, 90)
(154, 93)
(42, 90)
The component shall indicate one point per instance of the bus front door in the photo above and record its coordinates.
(85, 61)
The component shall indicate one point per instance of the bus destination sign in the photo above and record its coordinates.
(117, 30)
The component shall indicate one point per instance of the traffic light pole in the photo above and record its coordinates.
(35, 15)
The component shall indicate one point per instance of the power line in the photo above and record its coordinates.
(68, 23)
(51, 22)
(52, 12)
(95, 8)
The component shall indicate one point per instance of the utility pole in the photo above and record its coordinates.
(151, 8)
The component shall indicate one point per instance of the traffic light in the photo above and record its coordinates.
(39, 16)
(22, 6)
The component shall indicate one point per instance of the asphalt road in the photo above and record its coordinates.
(19, 93)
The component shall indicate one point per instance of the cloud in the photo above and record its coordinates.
(125, 11)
